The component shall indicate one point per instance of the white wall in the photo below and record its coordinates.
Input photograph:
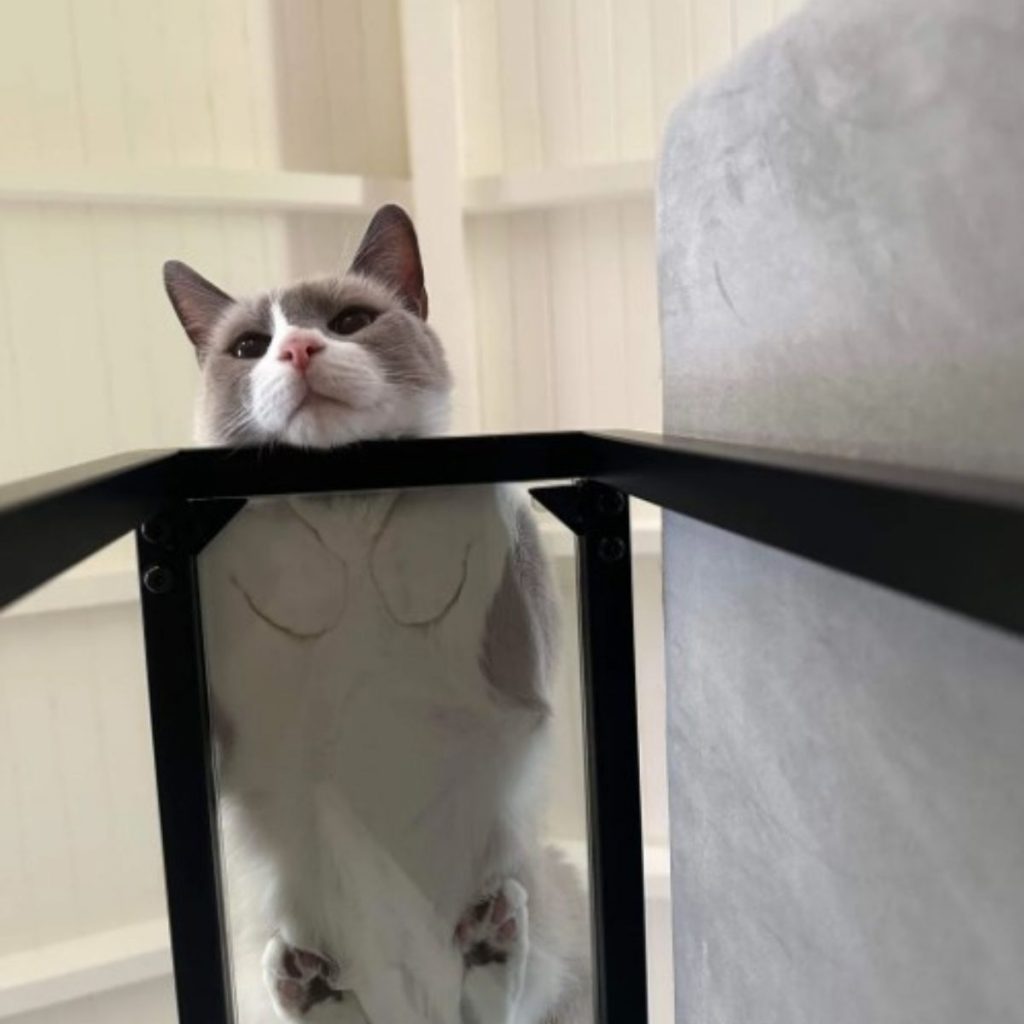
(252, 138)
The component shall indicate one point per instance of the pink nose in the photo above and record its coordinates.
(299, 348)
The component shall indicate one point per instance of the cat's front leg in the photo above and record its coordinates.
(307, 986)
(494, 941)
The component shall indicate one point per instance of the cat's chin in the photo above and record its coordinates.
(329, 423)
(325, 423)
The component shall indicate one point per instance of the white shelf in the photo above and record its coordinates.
(197, 187)
(84, 966)
(229, 189)
(559, 187)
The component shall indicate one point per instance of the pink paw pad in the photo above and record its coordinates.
(299, 978)
(489, 930)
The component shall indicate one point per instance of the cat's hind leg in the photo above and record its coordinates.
(493, 937)
(307, 986)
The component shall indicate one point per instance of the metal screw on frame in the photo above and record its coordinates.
(158, 579)
(157, 531)
(611, 503)
(611, 549)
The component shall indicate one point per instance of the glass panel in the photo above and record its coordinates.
(400, 758)
(648, 625)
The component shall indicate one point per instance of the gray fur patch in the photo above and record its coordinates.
(522, 622)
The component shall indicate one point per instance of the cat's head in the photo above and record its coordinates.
(324, 362)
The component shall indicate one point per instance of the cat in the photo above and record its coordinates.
(383, 858)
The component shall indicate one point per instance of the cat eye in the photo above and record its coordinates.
(352, 319)
(250, 345)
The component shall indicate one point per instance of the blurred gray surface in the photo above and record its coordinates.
(841, 233)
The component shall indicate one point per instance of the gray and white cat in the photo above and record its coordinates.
(380, 668)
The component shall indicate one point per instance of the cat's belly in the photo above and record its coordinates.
(427, 782)
(369, 760)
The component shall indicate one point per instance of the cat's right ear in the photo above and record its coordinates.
(390, 252)
(198, 303)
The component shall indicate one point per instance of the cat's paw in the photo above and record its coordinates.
(493, 937)
(299, 979)
(494, 929)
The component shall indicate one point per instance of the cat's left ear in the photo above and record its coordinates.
(390, 253)
(198, 303)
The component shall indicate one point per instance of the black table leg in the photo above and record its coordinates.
(599, 516)
(184, 768)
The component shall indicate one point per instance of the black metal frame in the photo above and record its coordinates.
(954, 541)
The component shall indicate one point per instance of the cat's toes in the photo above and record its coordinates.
(299, 979)
(494, 927)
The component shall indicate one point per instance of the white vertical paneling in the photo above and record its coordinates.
(260, 45)
(348, 102)
(14, 850)
(45, 29)
(122, 710)
(276, 248)
(81, 849)
(322, 245)
(76, 748)
(98, 73)
(606, 355)
(570, 319)
(753, 17)
(430, 45)
(13, 462)
(713, 29)
(74, 369)
(520, 101)
(388, 154)
(28, 295)
(52, 372)
(197, 237)
(228, 62)
(17, 111)
(673, 54)
(531, 322)
(119, 303)
(480, 87)
(301, 79)
(49, 870)
(594, 78)
(557, 84)
(155, 235)
(634, 80)
(188, 95)
(140, 54)
(642, 336)
(595, 74)
(489, 258)
(245, 255)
